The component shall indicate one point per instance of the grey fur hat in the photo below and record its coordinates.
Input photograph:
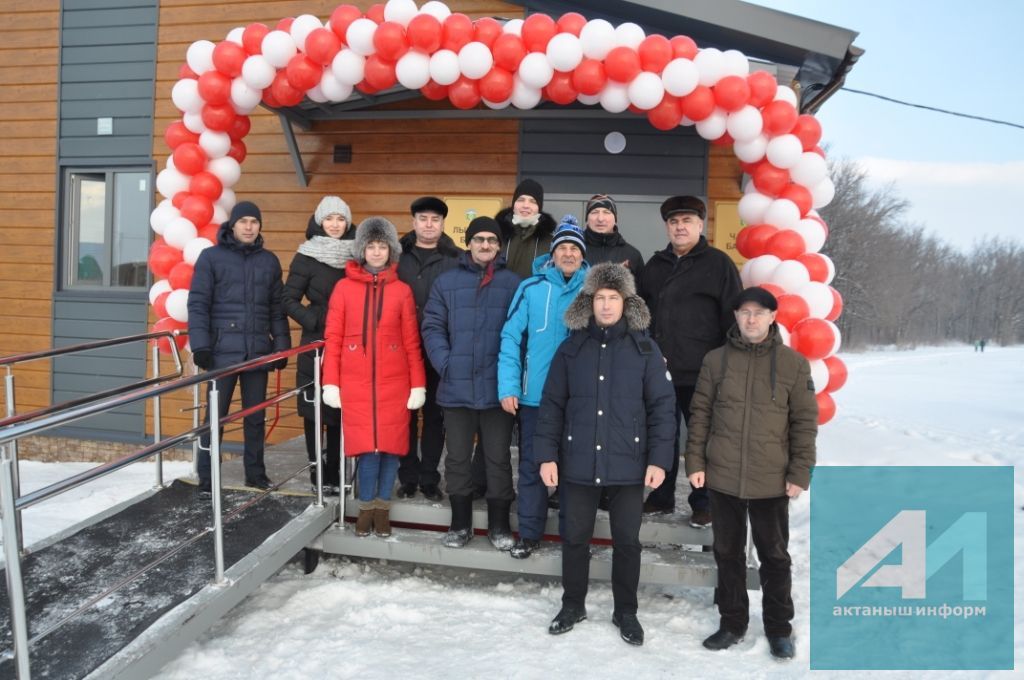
(616, 277)
(377, 229)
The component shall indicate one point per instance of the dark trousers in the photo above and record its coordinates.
(665, 495)
(331, 451)
(769, 527)
(254, 390)
(531, 494)
(625, 512)
(419, 466)
(495, 428)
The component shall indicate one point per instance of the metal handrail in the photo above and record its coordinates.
(85, 346)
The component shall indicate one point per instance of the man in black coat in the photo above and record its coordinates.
(605, 422)
(526, 230)
(689, 287)
(235, 313)
(603, 239)
(426, 252)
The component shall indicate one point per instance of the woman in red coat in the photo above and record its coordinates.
(373, 367)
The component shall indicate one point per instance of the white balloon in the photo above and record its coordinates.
(831, 269)
(786, 94)
(400, 11)
(812, 233)
(200, 56)
(185, 95)
(219, 214)
(215, 144)
(413, 70)
(302, 26)
(535, 70)
(597, 38)
(513, 26)
(360, 36)
(819, 375)
(444, 67)
(615, 97)
(762, 268)
(822, 193)
(838, 336)
(713, 126)
(750, 151)
(784, 335)
(179, 232)
(235, 35)
(646, 91)
(734, 63)
(159, 288)
(334, 89)
(709, 65)
(745, 125)
(681, 77)
(497, 105)
(475, 60)
(809, 170)
(686, 122)
(257, 72)
(243, 96)
(438, 10)
(745, 274)
(169, 182)
(278, 48)
(784, 151)
(161, 217)
(565, 52)
(348, 67)
(782, 213)
(818, 297)
(588, 99)
(177, 305)
(227, 170)
(194, 247)
(194, 122)
(752, 208)
(790, 276)
(524, 96)
(629, 35)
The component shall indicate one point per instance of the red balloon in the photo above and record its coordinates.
(589, 77)
(209, 232)
(816, 265)
(776, 291)
(285, 24)
(303, 73)
(342, 17)
(762, 88)
(463, 93)
(424, 33)
(206, 184)
(189, 158)
(699, 104)
(178, 199)
(560, 90)
(456, 32)
(800, 195)
(180, 276)
(434, 91)
(683, 47)
(792, 310)
(240, 127)
(162, 259)
(837, 305)
(169, 324)
(808, 131)
(779, 117)
(486, 30)
(215, 88)
(786, 245)
(749, 168)
(157, 242)
(379, 73)
(252, 38)
(813, 338)
(538, 30)
(667, 114)
(497, 85)
(508, 51)
(389, 41)
(237, 150)
(185, 72)
(826, 407)
(655, 53)
(283, 92)
(755, 240)
(228, 57)
(622, 64)
(197, 209)
(732, 93)
(177, 134)
(322, 46)
(769, 179)
(376, 13)
(837, 373)
(725, 140)
(219, 117)
(160, 304)
(818, 150)
(571, 22)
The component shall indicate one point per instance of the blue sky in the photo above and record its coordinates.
(964, 178)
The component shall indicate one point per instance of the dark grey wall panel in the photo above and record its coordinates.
(86, 73)
(107, 54)
(98, 18)
(90, 110)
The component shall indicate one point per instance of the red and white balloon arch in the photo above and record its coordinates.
(519, 63)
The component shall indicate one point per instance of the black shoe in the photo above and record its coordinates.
(553, 500)
(332, 490)
(262, 482)
(431, 492)
(498, 530)
(629, 628)
(652, 508)
(204, 491)
(461, 530)
(523, 548)
(782, 647)
(406, 490)
(566, 619)
(722, 639)
(700, 519)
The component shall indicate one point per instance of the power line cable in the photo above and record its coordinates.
(933, 108)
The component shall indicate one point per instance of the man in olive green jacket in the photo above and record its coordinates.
(751, 441)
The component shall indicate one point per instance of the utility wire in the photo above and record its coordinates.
(933, 108)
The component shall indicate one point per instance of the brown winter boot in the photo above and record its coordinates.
(382, 518)
(365, 520)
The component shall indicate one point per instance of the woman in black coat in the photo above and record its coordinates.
(315, 269)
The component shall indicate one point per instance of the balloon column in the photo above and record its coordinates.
(519, 63)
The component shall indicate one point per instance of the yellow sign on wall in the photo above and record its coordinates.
(464, 209)
(727, 226)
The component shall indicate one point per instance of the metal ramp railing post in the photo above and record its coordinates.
(10, 452)
(159, 458)
(195, 423)
(318, 424)
(213, 408)
(12, 555)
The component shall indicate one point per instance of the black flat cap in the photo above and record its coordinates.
(683, 204)
(757, 295)
(429, 204)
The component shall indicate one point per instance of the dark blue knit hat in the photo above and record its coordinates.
(569, 232)
(245, 209)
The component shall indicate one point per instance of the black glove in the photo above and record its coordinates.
(203, 358)
(279, 365)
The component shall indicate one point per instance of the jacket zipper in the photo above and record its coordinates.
(373, 360)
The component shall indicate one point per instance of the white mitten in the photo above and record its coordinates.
(332, 396)
(417, 397)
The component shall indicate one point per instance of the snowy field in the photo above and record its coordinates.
(934, 406)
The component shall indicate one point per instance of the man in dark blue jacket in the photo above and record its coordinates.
(607, 421)
(235, 313)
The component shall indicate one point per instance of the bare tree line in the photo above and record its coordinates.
(903, 287)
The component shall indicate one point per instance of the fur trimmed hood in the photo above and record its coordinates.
(615, 277)
(376, 229)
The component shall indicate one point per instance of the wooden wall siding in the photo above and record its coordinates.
(28, 117)
(723, 182)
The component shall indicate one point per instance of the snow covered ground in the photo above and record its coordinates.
(934, 406)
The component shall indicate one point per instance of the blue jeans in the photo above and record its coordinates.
(376, 473)
(532, 495)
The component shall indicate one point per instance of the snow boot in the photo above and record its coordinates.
(782, 647)
(566, 618)
(364, 523)
(629, 627)
(498, 529)
(523, 548)
(382, 518)
(461, 530)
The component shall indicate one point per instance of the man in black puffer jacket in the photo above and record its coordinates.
(526, 230)
(235, 313)
(603, 239)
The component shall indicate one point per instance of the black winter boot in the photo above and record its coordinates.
(498, 529)
(461, 529)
